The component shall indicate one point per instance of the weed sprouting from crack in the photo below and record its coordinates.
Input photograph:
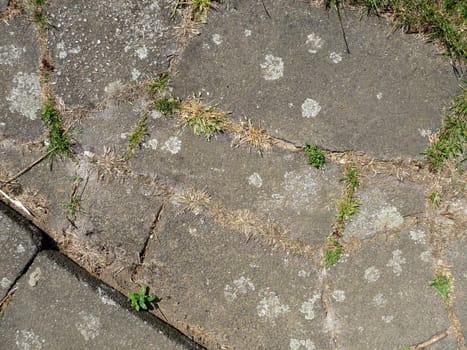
(247, 134)
(136, 136)
(435, 199)
(167, 105)
(158, 84)
(203, 119)
(451, 140)
(59, 140)
(140, 299)
(36, 9)
(314, 155)
(192, 200)
(73, 205)
(333, 252)
(198, 8)
(110, 164)
(443, 285)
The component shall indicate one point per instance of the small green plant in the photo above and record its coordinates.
(314, 155)
(198, 8)
(346, 207)
(73, 205)
(435, 199)
(59, 140)
(139, 300)
(406, 348)
(36, 9)
(204, 119)
(333, 253)
(167, 105)
(442, 284)
(206, 126)
(136, 136)
(351, 177)
(159, 84)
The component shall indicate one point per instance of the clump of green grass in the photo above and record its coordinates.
(435, 199)
(140, 299)
(198, 8)
(36, 8)
(442, 284)
(351, 177)
(314, 155)
(73, 206)
(204, 119)
(347, 206)
(451, 140)
(136, 136)
(167, 105)
(59, 140)
(159, 84)
(333, 252)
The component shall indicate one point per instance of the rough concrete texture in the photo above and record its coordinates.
(3, 5)
(55, 309)
(385, 202)
(292, 70)
(17, 247)
(457, 258)
(381, 296)
(239, 295)
(99, 46)
(277, 186)
(19, 86)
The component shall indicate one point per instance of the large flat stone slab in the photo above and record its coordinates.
(382, 296)
(55, 308)
(291, 74)
(239, 295)
(19, 243)
(19, 86)
(277, 186)
(100, 46)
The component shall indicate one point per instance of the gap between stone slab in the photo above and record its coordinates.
(47, 244)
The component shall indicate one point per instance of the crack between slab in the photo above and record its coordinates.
(330, 316)
(152, 233)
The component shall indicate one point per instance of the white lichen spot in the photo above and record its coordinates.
(307, 307)
(142, 53)
(379, 95)
(270, 306)
(303, 273)
(10, 54)
(426, 257)
(379, 300)
(310, 108)
(372, 274)
(152, 143)
(240, 286)
(155, 114)
(20, 249)
(418, 236)
(272, 68)
(172, 145)
(255, 180)
(396, 262)
(35, 276)
(62, 55)
(216, 39)
(425, 132)
(124, 135)
(113, 87)
(5, 283)
(387, 319)
(247, 32)
(28, 340)
(135, 74)
(314, 43)
(335, 57)
(297, 344)
(89, 326)
(388, 218)
(25, 96)
(105, 299)
(338, 295)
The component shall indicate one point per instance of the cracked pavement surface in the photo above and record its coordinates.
(233, 240)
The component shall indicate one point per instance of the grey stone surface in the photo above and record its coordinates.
(382, 296)
(18, 246)
(99, 46)
(3, 5)
(278, 186)
(457, 259)
(448, 343)
(246, 295)
(385, 202)
(291, 74)
(19, 86)
(55, 309)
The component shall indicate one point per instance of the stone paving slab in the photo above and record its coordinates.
(98, 46)
(19, 244)
(291, 74)
(19, 86)
(56, 308)
(382, 296)
(244, 295)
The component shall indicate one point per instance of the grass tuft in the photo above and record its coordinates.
(442, 284)
(159, 84)
(204, 119)
(198, 8)
(167, 105)
(351, 177)
(347, 206)
(136, 136)
(247, 134)
(435, 199)
(333, 253)
(314, 155)
(59, 140)
(451, 140)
